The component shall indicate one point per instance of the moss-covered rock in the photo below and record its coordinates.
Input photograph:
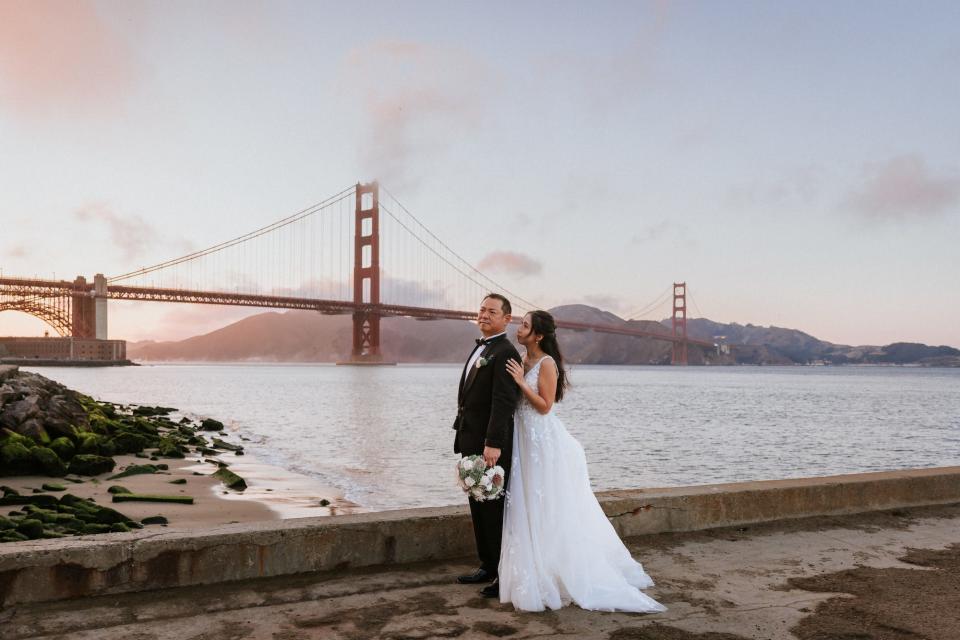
(89, 443)
(152, 411)
(48, 461)
(64, 448)
(230, 479)
(134, 470)
(222, 444)
(170, 448)
(143, 497)
(15, 459)
(91, 465)
(129, 442)
(118, 489)
(155, 520)
(40, 500)
(12, 536)
(94, 527)
(6, 524)
(52, 486)
(209, 424)
(30, 527)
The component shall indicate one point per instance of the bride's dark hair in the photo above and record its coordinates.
(543, 324)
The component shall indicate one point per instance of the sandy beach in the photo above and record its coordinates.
(271, 493)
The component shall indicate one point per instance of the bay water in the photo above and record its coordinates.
(382, 435)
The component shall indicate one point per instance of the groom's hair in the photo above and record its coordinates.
(504, 303)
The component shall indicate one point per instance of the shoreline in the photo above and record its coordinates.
(271, 494)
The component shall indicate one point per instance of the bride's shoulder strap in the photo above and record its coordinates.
(548, 358)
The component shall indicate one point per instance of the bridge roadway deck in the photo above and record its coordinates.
(52, 288)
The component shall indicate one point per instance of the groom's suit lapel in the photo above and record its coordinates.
(472, 374)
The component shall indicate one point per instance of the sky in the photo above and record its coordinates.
(796, 163)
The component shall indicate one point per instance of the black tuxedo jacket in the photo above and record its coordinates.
(487, 399)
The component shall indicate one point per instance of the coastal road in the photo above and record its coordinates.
(890, 575)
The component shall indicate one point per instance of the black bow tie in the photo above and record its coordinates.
(482, 342)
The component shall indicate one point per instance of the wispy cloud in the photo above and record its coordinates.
(60, 56)
(902, 187)
(657, 231)
(798, 187)
(414, 96)
(509, 262)
(131, 235)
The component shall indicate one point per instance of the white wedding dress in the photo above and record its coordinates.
(558, 546)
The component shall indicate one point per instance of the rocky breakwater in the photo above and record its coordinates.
(48, 430)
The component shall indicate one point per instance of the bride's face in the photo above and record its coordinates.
(525, 334)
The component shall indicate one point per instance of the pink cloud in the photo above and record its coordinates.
(60, 55)
(17, 251)
(903, 186)
(413, 96)
(510, 262)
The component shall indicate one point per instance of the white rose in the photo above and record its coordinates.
(469, 482)
(479, 464)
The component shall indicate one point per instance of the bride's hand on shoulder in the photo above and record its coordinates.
(515, 369)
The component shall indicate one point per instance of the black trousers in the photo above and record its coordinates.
(488, 519)
(488, 531)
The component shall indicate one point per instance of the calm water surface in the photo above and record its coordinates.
(382, 434)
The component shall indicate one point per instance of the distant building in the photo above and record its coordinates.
(89, 349)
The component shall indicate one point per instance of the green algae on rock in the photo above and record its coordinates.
(142, 497)
(230, 479)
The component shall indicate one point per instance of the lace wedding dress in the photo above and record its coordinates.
(558, 546)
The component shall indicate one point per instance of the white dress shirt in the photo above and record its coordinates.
(479, 349)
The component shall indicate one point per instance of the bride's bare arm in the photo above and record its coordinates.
(546, 381)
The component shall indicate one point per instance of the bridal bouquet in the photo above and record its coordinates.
(478, 481)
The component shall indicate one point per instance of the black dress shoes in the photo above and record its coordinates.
(477, 577)
(492, 590)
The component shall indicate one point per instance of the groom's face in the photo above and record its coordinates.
(491, 319)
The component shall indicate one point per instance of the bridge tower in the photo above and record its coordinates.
(89, 308)
(366, 274)
(679, 323)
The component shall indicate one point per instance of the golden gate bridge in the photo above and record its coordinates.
(359, 252)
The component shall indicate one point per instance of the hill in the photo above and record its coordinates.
(305, 336)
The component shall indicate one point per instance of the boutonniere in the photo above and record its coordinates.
(482, 362)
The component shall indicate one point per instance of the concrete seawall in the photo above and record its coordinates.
(45, 570)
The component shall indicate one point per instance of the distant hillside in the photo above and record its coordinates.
(304, 336)
(775, 345)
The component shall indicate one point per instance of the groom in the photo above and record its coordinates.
(484, 425)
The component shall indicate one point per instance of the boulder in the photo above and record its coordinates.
(64, 448)
(30, 527)
(230, 479)
(170, 448)
(48, 461)
(209, 424)
(15, 459)
(85, 464)
(129, 442)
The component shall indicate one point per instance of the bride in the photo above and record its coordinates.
(558, 546)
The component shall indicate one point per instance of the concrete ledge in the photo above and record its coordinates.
(44, 570)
